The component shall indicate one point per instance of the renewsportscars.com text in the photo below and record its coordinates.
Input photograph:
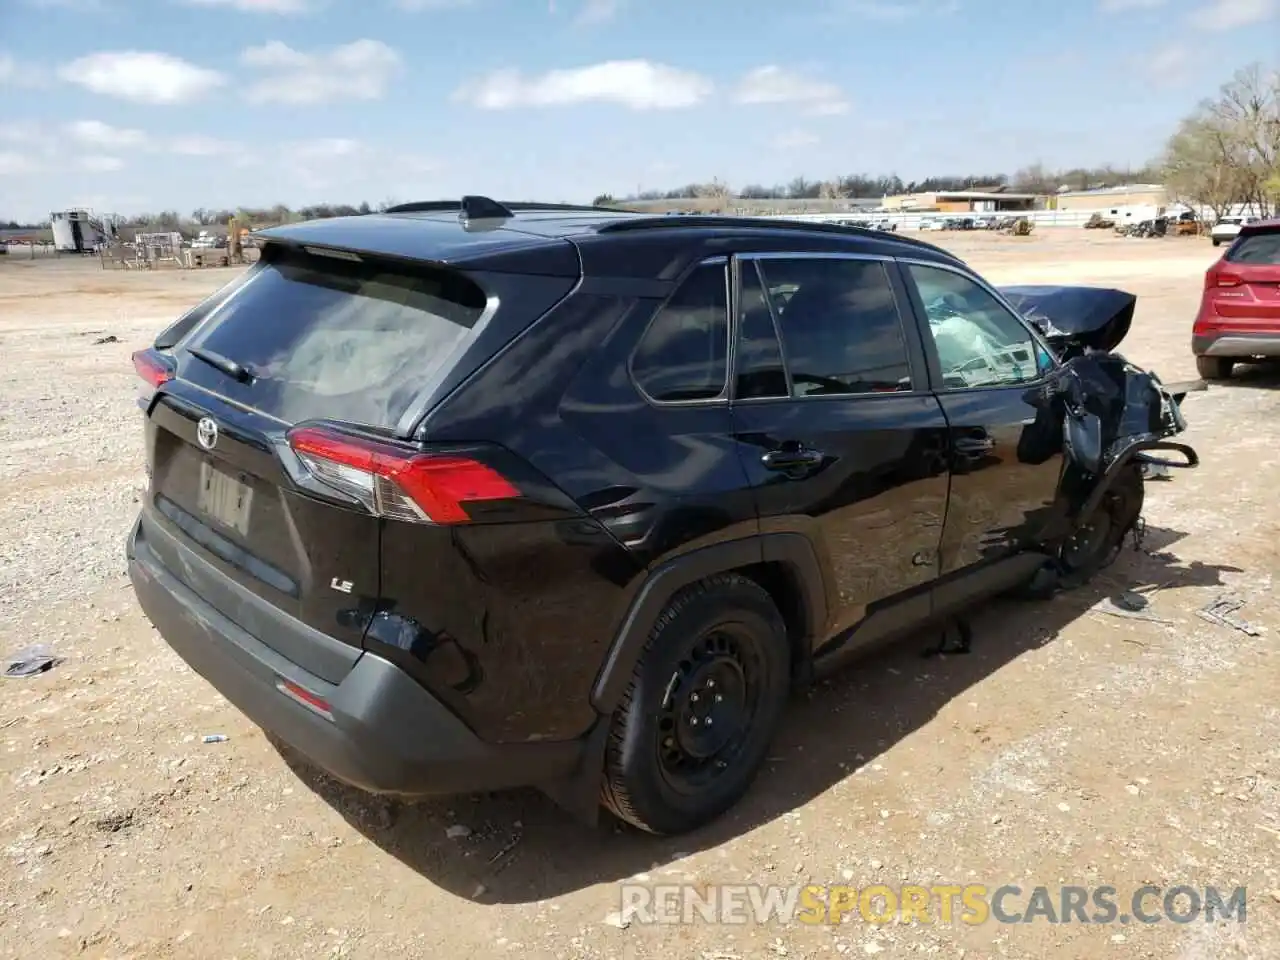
(971, 904)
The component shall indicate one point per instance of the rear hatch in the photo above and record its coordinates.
(275, 437)
(1244, 286)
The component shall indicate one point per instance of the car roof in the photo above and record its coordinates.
(522, 235)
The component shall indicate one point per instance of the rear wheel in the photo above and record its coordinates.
(1215, 368)
(701, 708)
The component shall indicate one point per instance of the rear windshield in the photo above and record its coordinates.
(328, 338)
(1261, 248)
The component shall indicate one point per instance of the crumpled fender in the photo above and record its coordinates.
(1106, 407)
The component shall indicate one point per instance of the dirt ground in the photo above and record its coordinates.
(1071, 746)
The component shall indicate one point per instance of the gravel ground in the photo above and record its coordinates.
(1071, 747)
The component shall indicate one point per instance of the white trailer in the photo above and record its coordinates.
(77, 231)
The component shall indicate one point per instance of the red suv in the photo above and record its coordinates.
(1239, 315)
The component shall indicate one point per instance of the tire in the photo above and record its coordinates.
(663, 771)
(1215, 368)
(1098, 539)
(1216, 242)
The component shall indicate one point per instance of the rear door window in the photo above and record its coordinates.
(683, 355)
(322, 337)
(1259, 248)
(841, 330)
(760, 370)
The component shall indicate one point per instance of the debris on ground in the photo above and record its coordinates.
(1116, 607)
(1130, 600)
(1222, 612)
(458, 832)
(31, 661)
(110, 338)
(214, 738)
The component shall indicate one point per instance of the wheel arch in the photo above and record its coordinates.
(785, 565)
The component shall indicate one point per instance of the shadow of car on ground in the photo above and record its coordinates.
(521, 848)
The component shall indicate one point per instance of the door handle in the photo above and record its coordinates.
(795, 459)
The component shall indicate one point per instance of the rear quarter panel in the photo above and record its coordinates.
(516, 617)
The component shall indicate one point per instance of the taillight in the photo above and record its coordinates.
(1217, 277)
(151, 368)
(395, 482)
(154, 371)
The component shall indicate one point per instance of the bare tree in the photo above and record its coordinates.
(1228, 151)
(1036, 179)
(717, 191)
(832, 190)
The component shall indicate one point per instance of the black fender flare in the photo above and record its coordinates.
(793, 550)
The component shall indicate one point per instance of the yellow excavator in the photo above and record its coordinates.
(237, 240)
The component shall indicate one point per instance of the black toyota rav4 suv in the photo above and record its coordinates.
(468, 496)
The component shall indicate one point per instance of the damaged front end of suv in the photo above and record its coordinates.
(1113, 421)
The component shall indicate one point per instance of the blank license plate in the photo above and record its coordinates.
(225, 498)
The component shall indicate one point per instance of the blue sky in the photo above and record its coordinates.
(129, 105)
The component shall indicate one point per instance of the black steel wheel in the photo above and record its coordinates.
(711, 700)
(701, 707)
(1098, 538)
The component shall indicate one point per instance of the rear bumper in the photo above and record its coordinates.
(1232, 343)
(387, 733)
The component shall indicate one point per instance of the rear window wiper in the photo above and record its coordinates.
(228, 366)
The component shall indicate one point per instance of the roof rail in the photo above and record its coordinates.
(478, 207)
(424, 206)
(660, 221)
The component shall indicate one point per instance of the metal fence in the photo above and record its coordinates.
(909, 220)
(913, 221)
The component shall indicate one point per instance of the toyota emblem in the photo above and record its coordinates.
(207, 433)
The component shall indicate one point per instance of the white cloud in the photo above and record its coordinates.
(13, 163)
(637, 84)
(796, 139)
(143, 77)
(417, 5)
(81, 5)
(1122, 6)
(595, 12)
(200, 146)
(98, 134)
(320, 163)
(21, 132)
(773, 84)
(897, 10)
(101, 164)
(326, 148)
(1168, 65)
(14, 73)
(360, 70)
(258, 6)
(1222, 15)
